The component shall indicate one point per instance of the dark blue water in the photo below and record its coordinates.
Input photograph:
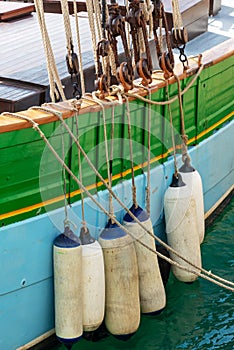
(198, 315)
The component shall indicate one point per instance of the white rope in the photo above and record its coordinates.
(54, 80)
(97, 17)
(148, 8)
(177, 18)
(80, 174)
(67, 27)
(131, 153)
(90, 10)
(79, 54)
(208, 275)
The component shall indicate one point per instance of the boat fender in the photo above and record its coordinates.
(122, 316)
(93, 281)
(193, 179)
(181, 227)
(67, 257)
(152, 292)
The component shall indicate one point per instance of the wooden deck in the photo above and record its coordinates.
(22, 55)
(10, 10)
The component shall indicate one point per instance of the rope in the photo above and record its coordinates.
(131, 154)
(162, 103)
(172, 133)
(90, 10)
(128, 29)
(80, 175)
(111, 207)
(82, 81)
(185, 155)
(64, 177)
(56, 88)
(148, 148)
(67, 27)
(59, 115)
(209, 276)
(97, 16)
(177, 18)
(148, 10)
(108, 160)
(148, 160)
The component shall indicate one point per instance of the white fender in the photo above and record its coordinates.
(182, 229)
(194, 182)
(93, 282)
(152, 292)
(122, 316)
(67, 257)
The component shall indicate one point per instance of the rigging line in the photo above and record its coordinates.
(131, 154)
(35, 126)
(59, 116)
(81, 72)
(80, 172)
(148, 147)
(172, 133)
(90, 10)
(173, 99)
(176, 14)
(185, 155)
(67, 27)
(108, 160)
(64, 176)
(111, 207)
(148, 160)
(53, 75)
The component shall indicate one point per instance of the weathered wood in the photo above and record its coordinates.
(16, 95)
(194, 15)
(9, 10)
(54, 6)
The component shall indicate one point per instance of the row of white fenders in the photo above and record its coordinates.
(117, 278)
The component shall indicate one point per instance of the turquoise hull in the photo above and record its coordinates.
(26, 274)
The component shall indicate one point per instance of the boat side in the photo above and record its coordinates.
(32, 192)
(28, 287)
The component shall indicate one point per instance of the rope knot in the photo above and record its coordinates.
(68, 223)
(35, 126)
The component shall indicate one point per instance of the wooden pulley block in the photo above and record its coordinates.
(125, 76)
(116, 25)
(73, 65)
(179, 36)
(144, 72)
(103, 48)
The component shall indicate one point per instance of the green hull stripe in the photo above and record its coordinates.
(115, 177)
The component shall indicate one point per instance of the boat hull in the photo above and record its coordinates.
(27, 300)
